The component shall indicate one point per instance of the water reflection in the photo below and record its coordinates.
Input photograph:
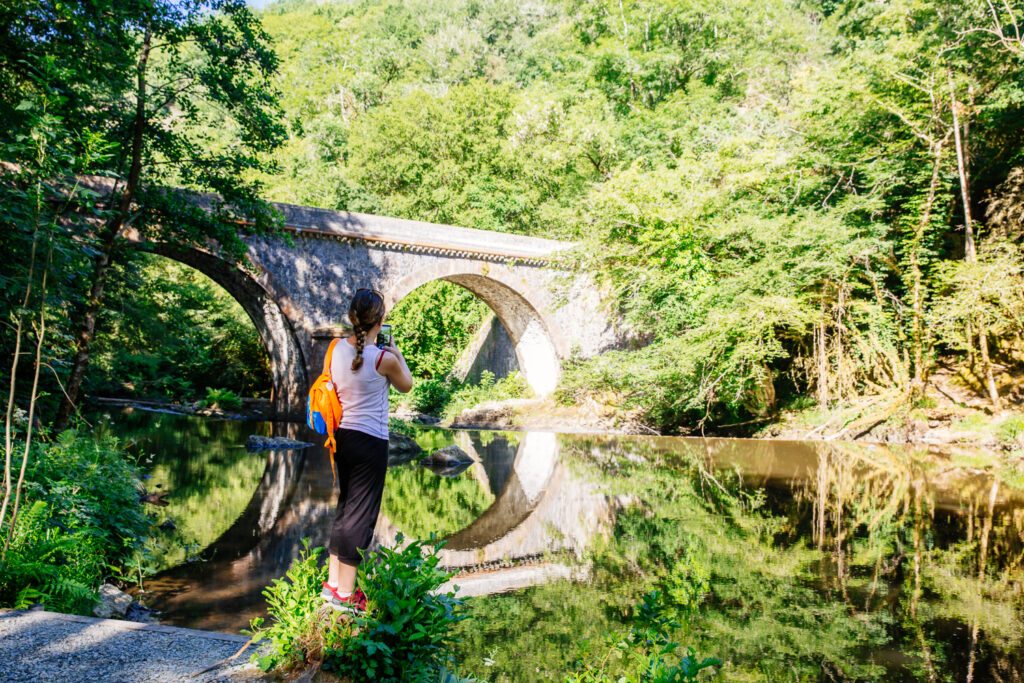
(926, 544)
(516, 505)
(925, 547)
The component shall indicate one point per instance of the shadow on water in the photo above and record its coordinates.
(928, 544)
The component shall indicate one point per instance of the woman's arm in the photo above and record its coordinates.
(393, 367)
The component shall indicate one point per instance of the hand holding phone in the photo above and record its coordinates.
(384, 337)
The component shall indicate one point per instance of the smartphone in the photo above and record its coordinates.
(384, 336)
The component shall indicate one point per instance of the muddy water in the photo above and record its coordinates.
(926, 546)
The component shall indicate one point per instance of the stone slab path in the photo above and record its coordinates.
(46, 646)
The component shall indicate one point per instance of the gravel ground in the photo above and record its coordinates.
(46, 646)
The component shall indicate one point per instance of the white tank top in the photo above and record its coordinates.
(363, 393)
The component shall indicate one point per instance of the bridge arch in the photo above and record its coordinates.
(531, 332)
(287, 361)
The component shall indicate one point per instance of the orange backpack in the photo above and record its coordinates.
(323, 409)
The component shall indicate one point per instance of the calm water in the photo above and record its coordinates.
(876, 563)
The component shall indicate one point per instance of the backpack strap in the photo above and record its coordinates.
(330, 443)
(329, 355)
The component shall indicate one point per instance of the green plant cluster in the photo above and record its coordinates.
(174, 334)
(82, 521)
(405, 635)
(223, 399)
(448, 397)
(648, 649)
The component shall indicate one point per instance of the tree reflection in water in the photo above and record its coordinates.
(789, 560)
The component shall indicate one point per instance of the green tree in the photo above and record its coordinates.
(187, 101)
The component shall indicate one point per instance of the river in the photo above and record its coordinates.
(788, 560)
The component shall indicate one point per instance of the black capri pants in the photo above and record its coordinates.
(362, 463)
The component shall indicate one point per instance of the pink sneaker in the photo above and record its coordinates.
(354, 603)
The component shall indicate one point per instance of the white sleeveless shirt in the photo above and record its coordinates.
(363, 393)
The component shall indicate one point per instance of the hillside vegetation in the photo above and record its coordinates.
(786, 203)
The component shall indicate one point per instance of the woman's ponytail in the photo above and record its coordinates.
(365, 311)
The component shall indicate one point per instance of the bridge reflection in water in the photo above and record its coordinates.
(537, 528)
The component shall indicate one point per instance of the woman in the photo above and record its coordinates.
(361, 373)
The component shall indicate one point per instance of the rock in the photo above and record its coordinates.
(402, 449)
(153, 499)
(140, 613)
(276, 443)
(449, 470)
(447, 457)
(113, 602)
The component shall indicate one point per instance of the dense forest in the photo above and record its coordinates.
(786, 204)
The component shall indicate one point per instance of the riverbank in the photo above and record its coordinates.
(934, 421)
(942, 418)
(252, 408)
(37, 645)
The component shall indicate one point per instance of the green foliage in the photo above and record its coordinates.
(51, 565)
(431, 395)
(1011, 429)
(468, 395)
(299, 627)
(433, 324)
(174, 334)
(648, 650)
(81, 516)
(406, 633)
(224, 399)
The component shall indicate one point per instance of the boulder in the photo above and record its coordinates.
(113, 602)
(449, 470)
(140, 613)
(402, 449)
(275, 443)
(448, 456)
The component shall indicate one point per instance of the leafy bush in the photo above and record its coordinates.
(300, 627)
(1011, 429)
(223, 399)
(51, 565)
(80, 516)
(430, 395)
(433, 324)
(468, 395)
(405, 635)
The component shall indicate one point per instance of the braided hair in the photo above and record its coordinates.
(365, 311)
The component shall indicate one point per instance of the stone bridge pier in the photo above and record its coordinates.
(297, 287)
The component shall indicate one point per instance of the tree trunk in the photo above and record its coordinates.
(108, 241)
(970, 250)
(917, 286)
(821, 353)
(33, 397)
(18, 329)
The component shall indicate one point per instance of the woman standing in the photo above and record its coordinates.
(361, 374)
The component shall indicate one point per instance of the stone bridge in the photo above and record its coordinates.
(298, 286)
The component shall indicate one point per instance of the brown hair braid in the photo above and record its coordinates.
(365, 311)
